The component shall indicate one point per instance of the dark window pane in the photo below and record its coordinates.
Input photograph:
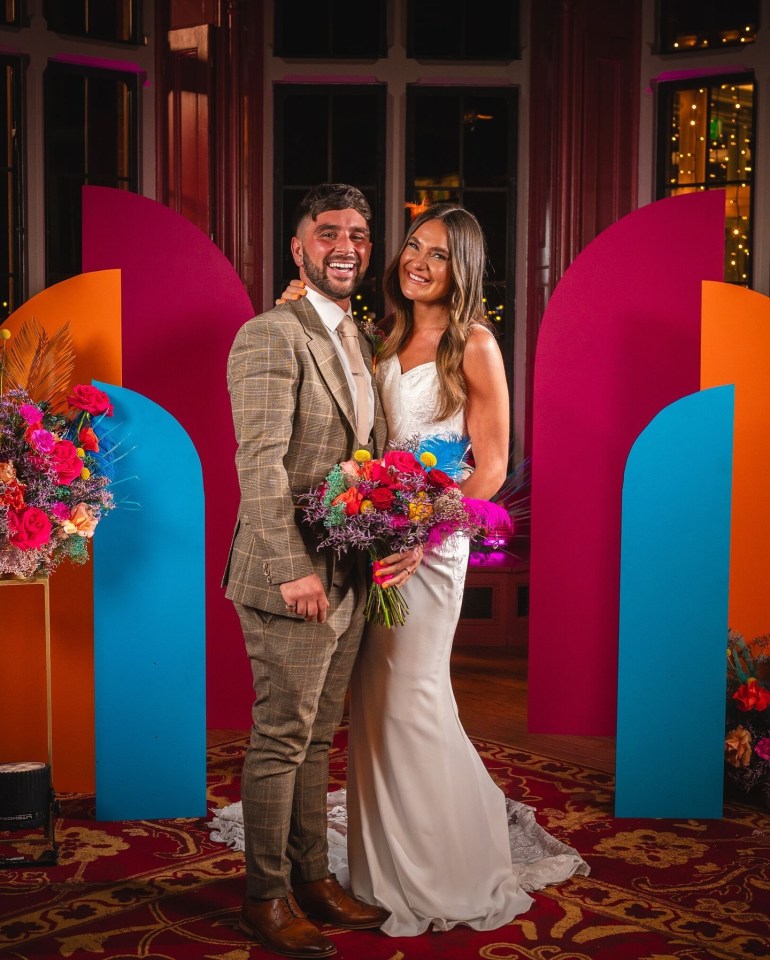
(707, 24)
(478, 604)
(335, 29)
(306, 122)
(354, 136)
(437, 140)
(90, 137)
(707, 133)
(463, 29)
(329, 134)
(461, 149)
(11, 167)
(485, 141)
(114, 20)
(10, 13)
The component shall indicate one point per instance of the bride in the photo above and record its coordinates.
(430, 836)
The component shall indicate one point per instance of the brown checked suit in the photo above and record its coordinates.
(294, 419)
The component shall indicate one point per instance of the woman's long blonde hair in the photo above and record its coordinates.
(467, 260)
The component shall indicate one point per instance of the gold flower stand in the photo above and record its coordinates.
(27, 798)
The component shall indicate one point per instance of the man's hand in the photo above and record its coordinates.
(395, 570)
(306, 597)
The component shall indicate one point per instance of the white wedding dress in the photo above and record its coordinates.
(430, 836)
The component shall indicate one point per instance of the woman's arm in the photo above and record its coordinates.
(486, 413)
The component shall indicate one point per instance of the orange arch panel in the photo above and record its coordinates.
(735, 348)
(91, 304)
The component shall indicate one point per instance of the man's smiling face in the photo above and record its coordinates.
(333, 252)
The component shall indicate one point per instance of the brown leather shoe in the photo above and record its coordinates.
(326, 900)
(281, 926)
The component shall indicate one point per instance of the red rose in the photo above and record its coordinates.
(440, 479)
(751, 696)
(88, 398)
(351, 498)
(382, 498)
(402, 462)
(66, 462)
(88, 440)
(29, 528)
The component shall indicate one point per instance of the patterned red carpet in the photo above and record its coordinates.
(161, 890)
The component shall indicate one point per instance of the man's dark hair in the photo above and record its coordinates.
(331, 196)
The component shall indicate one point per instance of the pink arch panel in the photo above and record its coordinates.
(182, 305)
(91, 304)
(736, 349)
(619, 341)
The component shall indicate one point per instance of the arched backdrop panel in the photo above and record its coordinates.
(736, 349)
(90, 303)
(674, 575)
(619, 341)
(149, 623)
(182, 305)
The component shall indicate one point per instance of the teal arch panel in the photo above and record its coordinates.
(674, 575)
(149, 621)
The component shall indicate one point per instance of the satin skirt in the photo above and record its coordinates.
(428, 834)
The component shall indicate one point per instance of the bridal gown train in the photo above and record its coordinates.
(428, 829)
(424, 831)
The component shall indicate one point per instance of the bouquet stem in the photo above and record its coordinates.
(384, 605)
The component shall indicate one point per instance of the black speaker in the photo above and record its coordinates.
(26, 795)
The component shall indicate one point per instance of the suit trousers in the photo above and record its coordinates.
(301, 672)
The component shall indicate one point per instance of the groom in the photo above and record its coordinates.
(302, 401)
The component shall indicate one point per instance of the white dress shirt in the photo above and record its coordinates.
(331, 314)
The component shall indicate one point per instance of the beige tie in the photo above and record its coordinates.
(348, 333)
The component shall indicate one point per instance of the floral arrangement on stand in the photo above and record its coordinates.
(55, 456)
(390, 505)
(747, 742)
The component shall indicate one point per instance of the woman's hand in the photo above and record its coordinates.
(294, 291)
(396, 569)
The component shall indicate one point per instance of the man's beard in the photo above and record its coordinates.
(335, 289)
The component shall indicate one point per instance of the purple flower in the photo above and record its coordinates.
(42, 440)
(60, 511)
(762, 747)
(30, 413)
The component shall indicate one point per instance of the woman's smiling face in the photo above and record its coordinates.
(425, 269)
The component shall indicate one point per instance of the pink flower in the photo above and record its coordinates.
(89, 398)
(60, 511)
(66, 462)
(28, 528)
(42, 440)
(30, 414)
(762, 747)
(350, 468)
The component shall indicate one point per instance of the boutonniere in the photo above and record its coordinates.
(376, 338)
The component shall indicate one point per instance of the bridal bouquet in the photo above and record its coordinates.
(391, 505)
(54, 466)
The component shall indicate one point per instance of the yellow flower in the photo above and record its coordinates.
(366, 506)
(82, 454)
(428, 460)
(420, 509)
(85, 473)
(362, 456)
(5, 334)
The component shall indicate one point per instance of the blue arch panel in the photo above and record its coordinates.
(675, 561)
(149, 621)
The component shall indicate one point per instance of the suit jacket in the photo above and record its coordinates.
(294, 419)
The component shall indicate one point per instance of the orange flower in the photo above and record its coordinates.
(738, 747)
(351, 498)
(81, 521)
(7, 472)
